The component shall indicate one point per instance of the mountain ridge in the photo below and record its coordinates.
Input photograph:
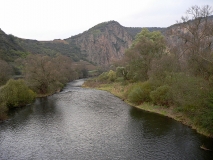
(101, 44)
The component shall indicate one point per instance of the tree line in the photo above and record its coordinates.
(41, 75)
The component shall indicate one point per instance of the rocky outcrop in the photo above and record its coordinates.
(104, 43)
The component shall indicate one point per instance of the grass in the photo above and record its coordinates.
(121, 91)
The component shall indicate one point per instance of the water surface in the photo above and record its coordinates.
(81, 124)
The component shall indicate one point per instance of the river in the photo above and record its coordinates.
(81, 124)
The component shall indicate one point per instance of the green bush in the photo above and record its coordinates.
(140, 92)
(111, 76)
(107, 76)
(161, 95)
(103, 76)
(16, 93)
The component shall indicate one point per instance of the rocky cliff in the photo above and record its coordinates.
(101, 44)
(104, 43)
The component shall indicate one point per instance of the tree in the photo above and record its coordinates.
(16, 93)
(122, 72)
(38, 72)
(47, 74)
(63, 68)
(194, 34)
(161, 67)
(146, 47)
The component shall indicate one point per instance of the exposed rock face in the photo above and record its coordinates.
(101, 44)
(104, 43)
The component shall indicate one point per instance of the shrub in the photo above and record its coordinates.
(140, 92)
(107, 76)
(111, 76)
(16, 93)
(122, 72)
(161, 95)
(187, 91)
(103, 76)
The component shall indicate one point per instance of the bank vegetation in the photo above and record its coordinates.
(171, 74)
(39, 76)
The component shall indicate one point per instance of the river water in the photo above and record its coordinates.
(81, 124)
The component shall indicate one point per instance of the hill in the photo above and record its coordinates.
(100, 45)
(10, 48)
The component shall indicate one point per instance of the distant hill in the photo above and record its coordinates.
(105, 42)
(133, 31)
(51, 48)
(102, 44)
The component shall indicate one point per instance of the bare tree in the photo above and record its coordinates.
(194, 39)
(47, 74)
(38, 72)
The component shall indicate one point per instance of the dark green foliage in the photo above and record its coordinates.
(146, 47)
(99, 28)
(9, 47)
(133, 31)
(140, 93)
(160, 68)
(6, 72)
(189, 93)
(53, 48)
(161, 95)
(204, 117)
(16, 93)
(120, 72)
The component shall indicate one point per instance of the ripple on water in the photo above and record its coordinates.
(83, 124)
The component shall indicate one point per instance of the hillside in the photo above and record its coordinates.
(103, 43)
(133, 31)
(51, 48)
(100, 45)
(9, 48)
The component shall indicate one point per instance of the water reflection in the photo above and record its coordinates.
(18, 116)
(45, 106)
(153, 125)
(161, 130)
(89, 124)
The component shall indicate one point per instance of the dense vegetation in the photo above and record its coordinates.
(133, 31)
(41, 76)
(52, 48)
(176, 72)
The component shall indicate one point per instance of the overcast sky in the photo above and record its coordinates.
(54, 19)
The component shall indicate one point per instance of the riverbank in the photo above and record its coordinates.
(120, 90)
